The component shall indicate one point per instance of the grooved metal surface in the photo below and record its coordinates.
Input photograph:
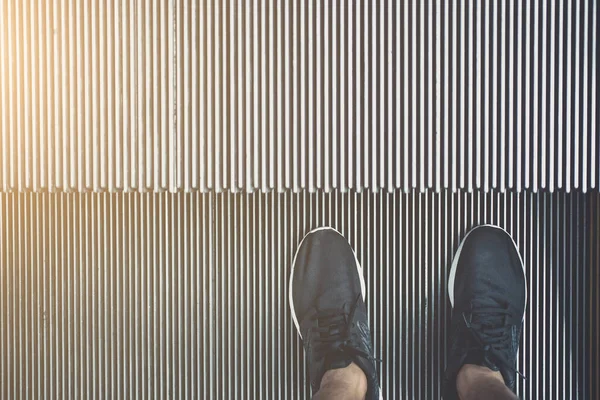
(236, 95)
(185, 295)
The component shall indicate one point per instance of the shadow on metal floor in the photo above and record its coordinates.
(185, 295)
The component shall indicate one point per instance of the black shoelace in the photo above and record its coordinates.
(491, 332)
(332, 333)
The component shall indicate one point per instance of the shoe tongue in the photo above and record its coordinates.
(336, 360)
(479, 357)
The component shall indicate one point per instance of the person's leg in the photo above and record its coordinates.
(327, 292)
(343, 383)
(487, 290)
(477, 382)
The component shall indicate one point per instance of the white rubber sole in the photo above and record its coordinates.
(456, 257)
(358, 267)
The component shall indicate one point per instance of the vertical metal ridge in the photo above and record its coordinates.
(594, 318)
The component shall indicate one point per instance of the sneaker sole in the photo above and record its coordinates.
(358, 268)
(456, 257)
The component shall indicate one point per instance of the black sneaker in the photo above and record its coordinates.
(488, 293)
(327, 292)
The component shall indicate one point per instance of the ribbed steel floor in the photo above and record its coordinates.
(403, 124)
(245, 95)
(185, 295)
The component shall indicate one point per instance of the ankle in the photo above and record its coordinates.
(351, 377)
(475, 381)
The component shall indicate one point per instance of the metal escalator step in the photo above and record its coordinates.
(160, 295)
(227, 95)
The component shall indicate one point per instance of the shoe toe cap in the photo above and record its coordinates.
(490, 263)
(325, 272)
